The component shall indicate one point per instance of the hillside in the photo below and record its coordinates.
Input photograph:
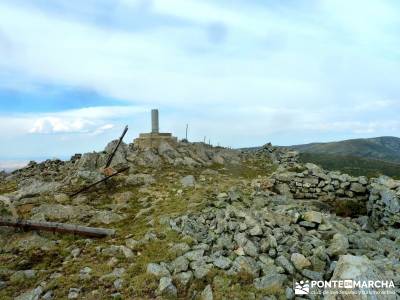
(353, 165)
(192, 221)
(379, 148)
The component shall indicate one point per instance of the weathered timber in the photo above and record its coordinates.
(110, 158)
(97, 182)
(58, 227)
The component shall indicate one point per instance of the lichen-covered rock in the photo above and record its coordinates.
(271, 283)
(359, 268)
(188, 181)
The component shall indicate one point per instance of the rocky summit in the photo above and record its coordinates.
(193, 221)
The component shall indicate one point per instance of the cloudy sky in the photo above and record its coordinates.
(73, 73)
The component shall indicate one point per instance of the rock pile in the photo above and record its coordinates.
(278, 155)
(274, 240)
(266, 230)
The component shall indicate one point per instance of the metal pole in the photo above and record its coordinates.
(187, 126)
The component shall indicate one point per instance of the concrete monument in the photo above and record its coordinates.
(154, 138)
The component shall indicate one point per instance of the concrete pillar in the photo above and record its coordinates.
(154, 121)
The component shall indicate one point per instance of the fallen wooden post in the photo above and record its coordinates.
(97, 182)
(58, 227)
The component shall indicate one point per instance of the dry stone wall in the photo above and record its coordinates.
(380, 196)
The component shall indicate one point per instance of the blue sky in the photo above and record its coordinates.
(242, 73)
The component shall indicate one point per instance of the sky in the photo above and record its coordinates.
(241, 73)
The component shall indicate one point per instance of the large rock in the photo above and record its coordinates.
(119, 156)
(313, 216)
(88, 161)
(140, 179)
(188, 181)
(339, 245)
(166, 288)
(33, 188)
(358, 268)
(247, 265)
(157, 270)
(271, 283)
(357, 188)
(299, 261)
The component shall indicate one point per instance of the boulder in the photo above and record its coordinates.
(339, 245)
(313, 216)
(359, 268)
(271, 283)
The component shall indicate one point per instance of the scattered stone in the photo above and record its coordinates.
(84, 273)
(49, 295)
(313, 216)
(222, 262)
(207, 293)
(180, 264)
(271, 283)
(285, 264)
(188, 181)
(166, 288)
(157, 270)
(33, 294)
(74, 293)
(75, 252)
(339, 245)
(299, 261)
(194, 255)
(184, 278)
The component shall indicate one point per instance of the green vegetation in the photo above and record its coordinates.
(355, 166)
(380, 148)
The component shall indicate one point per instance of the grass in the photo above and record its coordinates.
(7, 187)
(165, 201)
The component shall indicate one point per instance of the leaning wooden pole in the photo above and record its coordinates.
(58, 227)
(97, 182)
(111, 156)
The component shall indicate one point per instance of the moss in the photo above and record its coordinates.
(8, 187)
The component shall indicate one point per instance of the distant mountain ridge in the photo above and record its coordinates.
(386, 148)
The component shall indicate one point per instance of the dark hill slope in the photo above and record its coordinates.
(379, 148)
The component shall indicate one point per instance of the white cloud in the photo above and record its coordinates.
(284, 69)
(90, 120)
(58, 125)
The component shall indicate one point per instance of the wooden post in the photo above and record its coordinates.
(58, 227)
(97, 182)
(111, 156)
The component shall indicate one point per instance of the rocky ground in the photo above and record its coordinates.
(195, 222)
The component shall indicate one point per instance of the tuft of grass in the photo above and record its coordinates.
(8, 187)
